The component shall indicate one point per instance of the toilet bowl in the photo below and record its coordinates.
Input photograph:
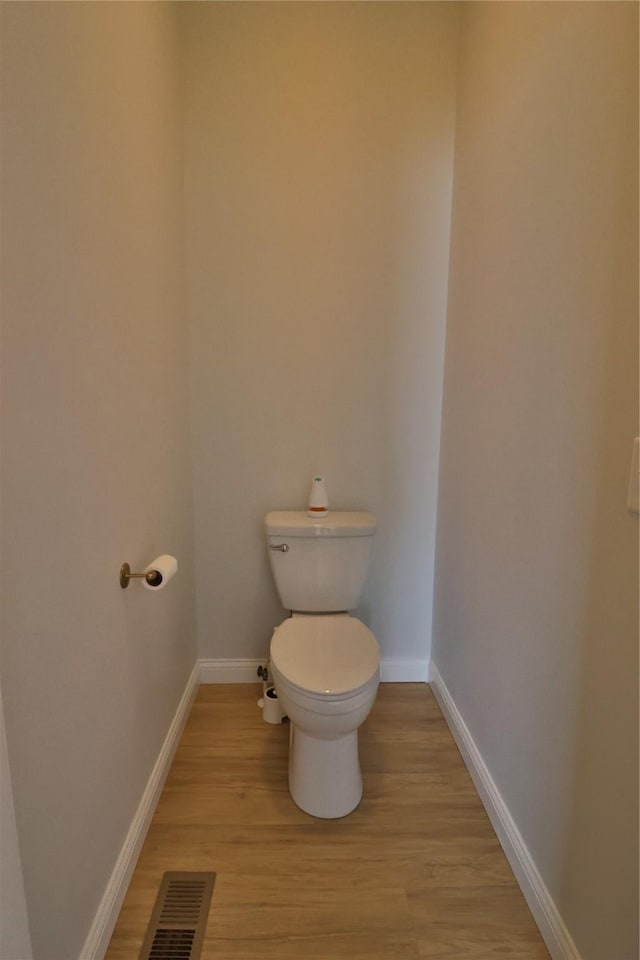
(325, 669)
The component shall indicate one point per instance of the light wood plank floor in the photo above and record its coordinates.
(415, 873)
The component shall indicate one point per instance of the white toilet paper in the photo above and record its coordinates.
(166, 567)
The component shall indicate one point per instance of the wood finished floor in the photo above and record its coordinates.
(415, 873)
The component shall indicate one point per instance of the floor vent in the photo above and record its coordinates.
(177, 925)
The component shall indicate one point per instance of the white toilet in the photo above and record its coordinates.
(324, 664)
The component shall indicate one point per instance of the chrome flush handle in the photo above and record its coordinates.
(283, 547)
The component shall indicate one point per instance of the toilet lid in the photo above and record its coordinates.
(325, 654)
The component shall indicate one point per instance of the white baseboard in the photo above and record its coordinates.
(554, 932)
(404, 671)
(229, 671)
(105, 920)
(245, 671)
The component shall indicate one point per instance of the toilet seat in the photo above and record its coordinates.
(327, 657)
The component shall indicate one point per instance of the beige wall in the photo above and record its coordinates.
(95, 451)
(318, 160)
(536, 629)
(15, 942)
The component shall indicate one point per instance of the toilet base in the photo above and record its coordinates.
(324, 775)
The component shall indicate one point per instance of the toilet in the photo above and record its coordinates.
(324, 663)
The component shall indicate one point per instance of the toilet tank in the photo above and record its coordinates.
(319, 566)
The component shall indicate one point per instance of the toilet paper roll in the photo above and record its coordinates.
(271, 709)
(165, 567)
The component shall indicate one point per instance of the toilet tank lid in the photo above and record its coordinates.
(338, 523)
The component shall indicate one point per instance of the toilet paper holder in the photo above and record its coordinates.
(153, 577)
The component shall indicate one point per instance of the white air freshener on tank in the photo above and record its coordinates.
(318, 500)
